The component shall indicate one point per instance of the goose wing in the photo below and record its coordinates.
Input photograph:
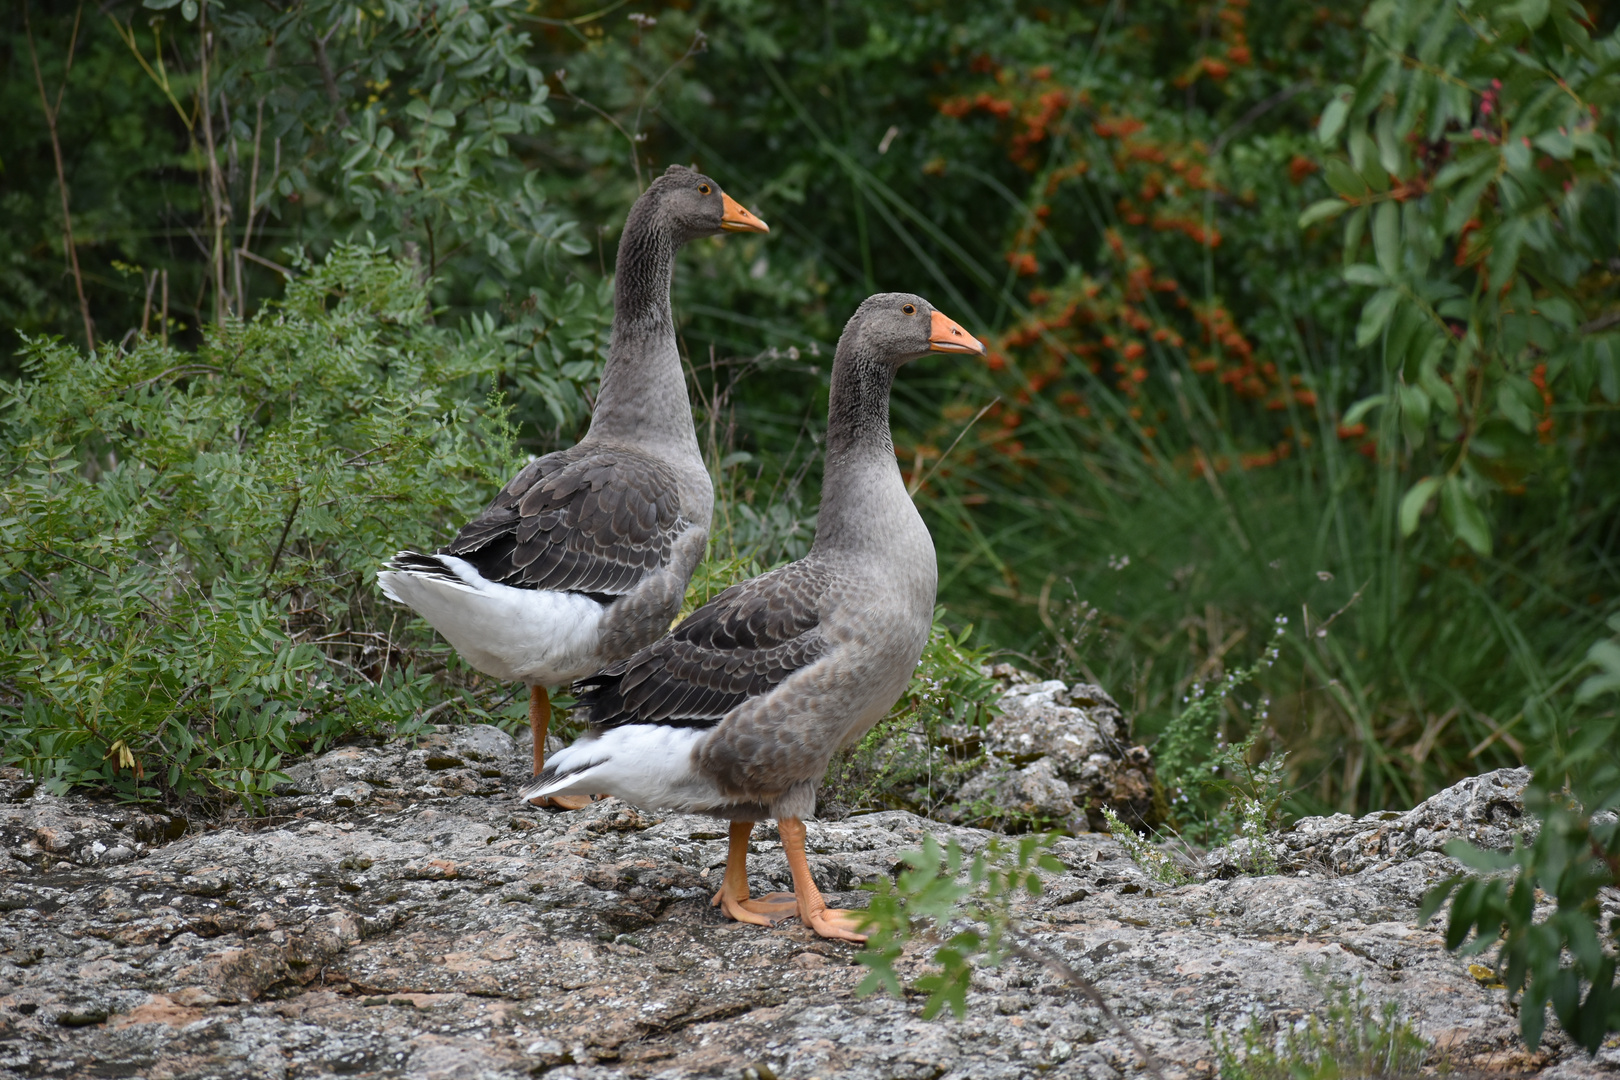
(741, 644)
(590, 520)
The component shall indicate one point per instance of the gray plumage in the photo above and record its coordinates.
(738, 710)
(585, 555)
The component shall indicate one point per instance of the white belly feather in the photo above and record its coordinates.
(538, 636)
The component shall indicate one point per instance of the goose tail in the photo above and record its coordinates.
(541, 636)
(648, 765)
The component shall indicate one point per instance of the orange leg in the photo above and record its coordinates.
(539, 722)
(813, 910)
(733, 895)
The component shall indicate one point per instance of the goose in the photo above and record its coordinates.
(736, 712)
(585, 555)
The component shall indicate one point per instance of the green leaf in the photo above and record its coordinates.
(1461, 208)
(1333, 115)
(1323, 210)
(1604, 655)
(1533, 12)
(1606, 351)
(1413, 502)
(1355, 224)
(1463, 514)
(1516, 155)
(188, 10)
(1439, 391)
(1343, 179)
(1361, 409)
(1463, 168)
(1375, 315)
(1512, 406)
(1556, 144)
(1365, 274)
(1435, 898)
(1389, 146)
(1387, 237)
(1506, 244)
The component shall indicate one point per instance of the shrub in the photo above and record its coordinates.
(1566, 957)
(188, 540)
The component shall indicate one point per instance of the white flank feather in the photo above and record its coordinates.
(534, 635)
(647, 765)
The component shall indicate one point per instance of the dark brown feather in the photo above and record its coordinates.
(741, 644)
(585, 519)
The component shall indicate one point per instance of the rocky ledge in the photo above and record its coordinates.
(397, 914)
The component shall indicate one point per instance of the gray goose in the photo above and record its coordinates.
(736, 712)
(585, 555)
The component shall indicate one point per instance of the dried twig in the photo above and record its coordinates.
(916, 485)
(328, 78)
(262, 261)
(51, 113)
(216, 183)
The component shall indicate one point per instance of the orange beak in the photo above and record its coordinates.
(946, 335)
(736, 219)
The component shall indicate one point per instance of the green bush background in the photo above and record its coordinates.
(1294, 309)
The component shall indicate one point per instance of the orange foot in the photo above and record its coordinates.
(767, 910)
(834, 923)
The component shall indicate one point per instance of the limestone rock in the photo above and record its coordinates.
(1486, 810)
(440, 929)
(1050, 736)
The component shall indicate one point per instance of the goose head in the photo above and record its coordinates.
(895, 327)
(692, 205)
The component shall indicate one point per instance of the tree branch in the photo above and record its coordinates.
(328, 79)
(61, 172)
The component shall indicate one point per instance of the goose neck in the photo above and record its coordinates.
(861, 489)
(643, 397)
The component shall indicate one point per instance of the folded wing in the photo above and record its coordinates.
(743, 643)
(585, 519)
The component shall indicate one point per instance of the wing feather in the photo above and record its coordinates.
(743, 643)
(585, 519)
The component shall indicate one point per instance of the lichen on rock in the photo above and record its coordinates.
(1056, 755)
(439, 928)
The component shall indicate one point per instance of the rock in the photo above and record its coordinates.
(1486, 810)
(441, 929)
(1035, 793)
(41, 832)
(1057, 755)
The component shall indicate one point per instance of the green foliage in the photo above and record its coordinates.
(1566, 957)
(1150, 857)
(1220, 790)
(1480, 155)
(1351, 1040)
(319, 123)
(188, 540)
(960, 905)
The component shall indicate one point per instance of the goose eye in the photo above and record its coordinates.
(909, 309)
(704, 189)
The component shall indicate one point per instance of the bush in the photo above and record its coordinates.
(188, 539)
(1566, 957)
